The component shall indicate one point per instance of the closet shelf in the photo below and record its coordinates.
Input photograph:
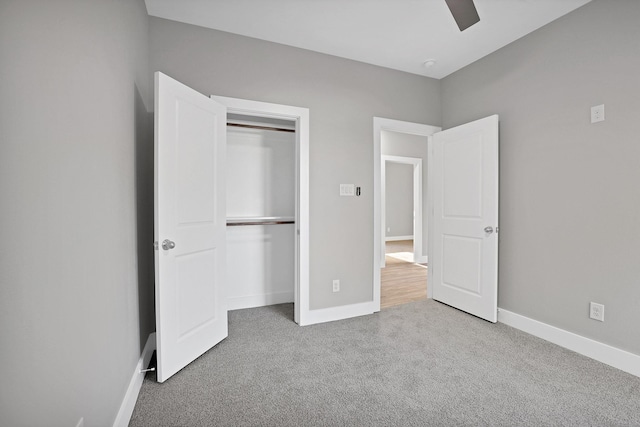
(261, 220)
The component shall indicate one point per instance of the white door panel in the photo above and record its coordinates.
(191, 310)
(465, 202)
(461, 263)
(462, 178)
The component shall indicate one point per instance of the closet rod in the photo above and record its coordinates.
(240, 125)
(233, 224)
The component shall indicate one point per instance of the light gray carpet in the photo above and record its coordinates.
(419, 364)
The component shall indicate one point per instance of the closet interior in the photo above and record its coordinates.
(261, 211)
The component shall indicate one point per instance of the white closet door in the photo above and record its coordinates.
(190, 224)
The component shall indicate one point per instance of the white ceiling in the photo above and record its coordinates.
(397, 34)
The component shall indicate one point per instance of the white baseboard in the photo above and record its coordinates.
(604, 353)
(251, 301)
(423, 259)
(130, 398)
(397, 238)
(337, 313)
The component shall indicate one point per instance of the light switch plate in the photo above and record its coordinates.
(347, 189)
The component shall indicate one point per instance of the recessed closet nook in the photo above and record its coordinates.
(261, 211)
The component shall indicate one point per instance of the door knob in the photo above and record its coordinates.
(487, 229)
(168, 244)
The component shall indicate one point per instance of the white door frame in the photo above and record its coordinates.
(380, 124)
(301, 118)
(416, 163)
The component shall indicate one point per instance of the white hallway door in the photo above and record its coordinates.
(190, 224)
(464, 181)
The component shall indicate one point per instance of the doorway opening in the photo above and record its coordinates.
(260, 211)
(280, 220)
(402, 201)
(400, 142)
(404, 274)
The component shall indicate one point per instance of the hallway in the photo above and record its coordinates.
(402, 281)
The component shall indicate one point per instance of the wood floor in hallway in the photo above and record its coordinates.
(402, 280)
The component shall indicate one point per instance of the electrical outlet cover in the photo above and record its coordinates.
(596, 311)
(597, 113)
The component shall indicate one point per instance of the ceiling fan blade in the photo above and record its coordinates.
(464, 12)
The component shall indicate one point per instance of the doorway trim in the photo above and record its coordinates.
(417, 233)
(382, 124)
(300, 116)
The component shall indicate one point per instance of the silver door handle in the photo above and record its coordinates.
(168, 244)
(487, 229)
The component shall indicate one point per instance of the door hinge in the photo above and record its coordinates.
(155, 246)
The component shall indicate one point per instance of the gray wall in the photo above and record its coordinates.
(343, 97)
(74, 83)
(398, 199)
(76, 271)
(407, 145)
(569, 199)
